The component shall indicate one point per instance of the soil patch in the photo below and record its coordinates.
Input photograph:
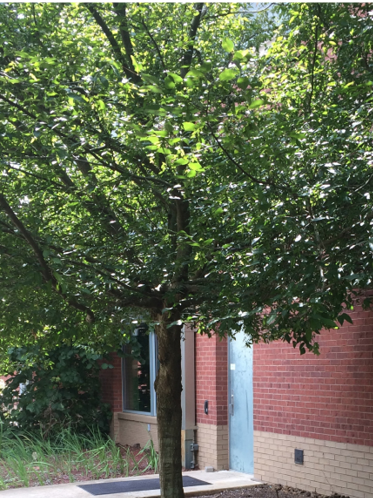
(268, 491)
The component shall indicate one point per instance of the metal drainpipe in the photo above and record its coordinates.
(193, 449)
(188, 398)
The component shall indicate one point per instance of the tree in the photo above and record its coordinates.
(110, 191)
(167, 171)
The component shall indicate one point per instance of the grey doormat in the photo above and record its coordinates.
(109, 488)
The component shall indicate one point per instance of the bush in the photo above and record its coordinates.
(54, 389)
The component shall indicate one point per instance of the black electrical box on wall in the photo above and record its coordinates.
(298, 456)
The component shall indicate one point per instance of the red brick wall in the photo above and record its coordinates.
(326, 397)
(211, 379)
(111, 382)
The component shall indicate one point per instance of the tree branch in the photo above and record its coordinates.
(130, 73)
(154, 43)
(28, 173)
(343, 233)
(188, 56)
(65, 179)
(314, 61)
(107, 273)
(45, 270)
(120, 10)
(252, 178)
(256, 11)
(79, 159)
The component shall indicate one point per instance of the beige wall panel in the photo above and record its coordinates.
(328, 468)
(131, 429)
(213, 446)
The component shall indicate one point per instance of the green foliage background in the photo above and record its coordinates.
(61, 389)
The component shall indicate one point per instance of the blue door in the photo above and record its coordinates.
(240, 392)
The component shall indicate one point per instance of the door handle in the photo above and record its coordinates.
(232, 404)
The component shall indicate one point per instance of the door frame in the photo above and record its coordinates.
(251, 407)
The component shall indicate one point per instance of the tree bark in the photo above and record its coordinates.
(168, 388)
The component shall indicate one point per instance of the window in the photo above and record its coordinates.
(139, 369)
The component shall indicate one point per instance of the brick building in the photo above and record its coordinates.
(266, 402)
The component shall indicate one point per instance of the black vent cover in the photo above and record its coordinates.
(298, 456)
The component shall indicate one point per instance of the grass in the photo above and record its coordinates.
(28, 459)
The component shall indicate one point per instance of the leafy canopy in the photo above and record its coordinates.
(154, 163)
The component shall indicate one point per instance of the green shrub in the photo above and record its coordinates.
(54, 389)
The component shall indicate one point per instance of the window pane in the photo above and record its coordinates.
(137, 375)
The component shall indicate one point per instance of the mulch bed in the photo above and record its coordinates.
(268, 491)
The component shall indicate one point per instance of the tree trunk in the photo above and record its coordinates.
(168, 388)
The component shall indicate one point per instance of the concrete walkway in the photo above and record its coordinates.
(225, 479)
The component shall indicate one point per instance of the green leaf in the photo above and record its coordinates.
(228, 74)
(176, 77)
(136, 64)
(191, 174)
(192, 82)
(77, 98)
(169, 82)
(240, 54)
(195, 166)
(154, 89)
(256, 103)
(243, 82)
(208, 242)
(101, 104)
(195, 73)
(297, 135)
(271, 319)
(344, 317)
(189, 126)
(228, 45)
(330, 324)
(151, 79)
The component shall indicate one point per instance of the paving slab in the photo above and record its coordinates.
(219, 481)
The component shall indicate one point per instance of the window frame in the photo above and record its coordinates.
(153, 361)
